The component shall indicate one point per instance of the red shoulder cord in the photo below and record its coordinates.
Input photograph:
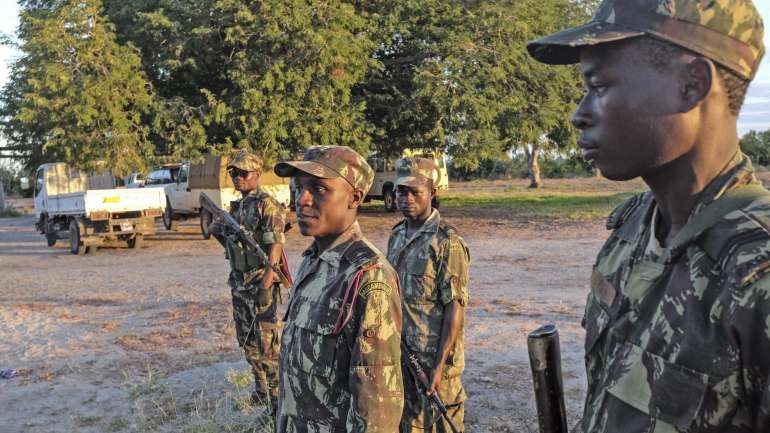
(354, 287)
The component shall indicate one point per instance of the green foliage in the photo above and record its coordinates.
(757, 146)
(81, 95)
(556, 166)
(457, 75)
(136, 82)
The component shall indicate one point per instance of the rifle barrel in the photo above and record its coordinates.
(545, 361)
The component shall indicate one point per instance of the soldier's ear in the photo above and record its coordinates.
(696, 82)
(356, 199)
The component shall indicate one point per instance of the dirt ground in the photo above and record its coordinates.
(142, 340)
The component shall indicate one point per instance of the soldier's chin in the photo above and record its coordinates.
(305, 228)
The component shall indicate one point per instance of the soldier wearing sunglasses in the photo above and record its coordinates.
(254, 284)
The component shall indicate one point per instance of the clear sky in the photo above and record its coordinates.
(755, 114)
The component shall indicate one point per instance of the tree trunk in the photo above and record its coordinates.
(2, 198)
(533, 165)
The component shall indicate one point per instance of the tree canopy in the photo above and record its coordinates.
(136, 82)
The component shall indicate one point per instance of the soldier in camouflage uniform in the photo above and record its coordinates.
(255, 288)
(340, 351)
(678, 317)
(432, 263)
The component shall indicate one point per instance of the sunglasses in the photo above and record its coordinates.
(236, 172)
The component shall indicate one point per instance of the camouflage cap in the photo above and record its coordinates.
(415, 171)
(246, 161)
(728, 32)
(329, 162)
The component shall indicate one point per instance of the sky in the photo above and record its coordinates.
(755, 114)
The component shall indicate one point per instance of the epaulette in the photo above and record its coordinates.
(360, 254)
(621, 213)
(742, 257)
(447, 229)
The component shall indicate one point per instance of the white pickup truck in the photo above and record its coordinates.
(88, 210)
(183, 196)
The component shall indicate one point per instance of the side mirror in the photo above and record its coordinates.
(24, 181)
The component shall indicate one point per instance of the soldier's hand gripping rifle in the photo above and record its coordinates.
(422, 380)
(242, 234)
(545, 360)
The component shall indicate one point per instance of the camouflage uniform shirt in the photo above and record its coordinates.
(432, 265)
(349, 379)
(678, 340)
(264, 217)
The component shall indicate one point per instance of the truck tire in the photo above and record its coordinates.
(76, 242)
(168, 217)
(136, 242)
(49, 230)
(205, 222)
(389, 199)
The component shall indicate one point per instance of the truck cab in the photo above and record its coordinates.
(210, 177)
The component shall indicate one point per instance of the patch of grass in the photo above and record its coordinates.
(119, 424)
(87, 421)
(538, 204)
(157, 409)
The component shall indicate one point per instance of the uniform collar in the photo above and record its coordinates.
(737, 172)
(254, 192)
(429, 226)
(337, 249)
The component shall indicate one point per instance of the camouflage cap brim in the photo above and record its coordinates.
(563, 48)
(411, 181)
(290, 169)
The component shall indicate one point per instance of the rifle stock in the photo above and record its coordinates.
(418, 373)
(545, 361)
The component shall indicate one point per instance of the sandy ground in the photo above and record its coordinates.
(141, 340)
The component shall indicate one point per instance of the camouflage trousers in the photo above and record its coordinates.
(419, 415)
(258, 332)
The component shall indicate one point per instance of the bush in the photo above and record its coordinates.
(757, 146)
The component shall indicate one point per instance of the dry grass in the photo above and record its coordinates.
(156, 409)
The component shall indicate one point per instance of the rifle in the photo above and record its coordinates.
(545, 361)
(245, 237)
(422, 379)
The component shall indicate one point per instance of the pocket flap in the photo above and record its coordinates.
(663, 390)
(416, 266)
(319, 319)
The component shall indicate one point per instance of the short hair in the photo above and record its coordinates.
(660, 54)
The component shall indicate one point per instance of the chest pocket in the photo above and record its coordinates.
(662, 396)
(422, 280)
(313, 347)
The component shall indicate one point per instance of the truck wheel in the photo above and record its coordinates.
(168, 217)
(389, 199)
(205, 222)
(50, 239)
(76, 243)
(137, 241)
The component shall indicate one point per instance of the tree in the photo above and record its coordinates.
(271, 76)
(76, 94)
(459, 77)
(757, 146)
